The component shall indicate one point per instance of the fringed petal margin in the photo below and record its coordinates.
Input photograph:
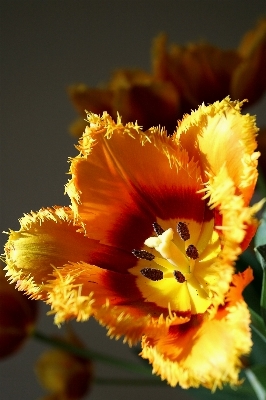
(46, 240)
(237, 218)
(50, 259)
(130, 189)
(66, 299)
(219, 136)
(82, 290)
(120, 323)
(125, 189)
(209, 355)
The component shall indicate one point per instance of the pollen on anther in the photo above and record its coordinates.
(152, 274)
(145, 255)
(183, 231)
(157, 228)
(179, 276)
(192, 252)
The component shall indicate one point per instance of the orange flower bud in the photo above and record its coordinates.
(17, 317)
(65, 375)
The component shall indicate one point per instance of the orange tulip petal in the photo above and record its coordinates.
(47, 240)
(199, 71)
(149, 243)
(249, 78)
(239, 282)
(221, 138)
(203, 352)
(127, 192)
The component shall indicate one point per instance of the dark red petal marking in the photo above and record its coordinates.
(179, 276)
(143, 254)
(183, 231)
(152, 274)
(192, 252)
(157, 228)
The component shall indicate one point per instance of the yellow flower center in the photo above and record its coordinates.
(179, 277)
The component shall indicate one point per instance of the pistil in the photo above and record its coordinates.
(174, 281)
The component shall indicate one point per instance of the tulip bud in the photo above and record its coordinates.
(17, 317)
(65, 375)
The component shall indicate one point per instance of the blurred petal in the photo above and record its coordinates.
(249, 78)
(182, 77)
(66, 376)
(17, 317)
(92, 99)
(199, 72)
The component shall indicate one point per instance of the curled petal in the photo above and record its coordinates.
(239, 282)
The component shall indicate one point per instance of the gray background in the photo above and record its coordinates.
(45, 46)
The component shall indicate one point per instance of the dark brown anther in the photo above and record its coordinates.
(192, 252)
(152, 274)
(145, 255)
(179, 276)
(157, 229)
(183, 231)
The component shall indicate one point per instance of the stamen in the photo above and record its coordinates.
(183, 231)
(192, 252)
(145, 255)
(157, 228)
(179, 276)
(152, 274)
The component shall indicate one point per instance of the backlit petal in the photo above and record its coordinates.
(47, 240)
(135, 178)
(149, 242)
(203, 352)
(223, 141)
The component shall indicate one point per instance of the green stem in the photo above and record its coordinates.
(257, 324)
(133, 382)
(93, 355)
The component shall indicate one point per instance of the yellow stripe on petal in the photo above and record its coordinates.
(200, 300)
(46, 240)
(219, 136)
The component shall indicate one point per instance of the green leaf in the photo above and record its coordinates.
(257, 324)
(261, 250)
(252, 292)
(260, 237)
(243, 392)
(257, 378)
(261, 183)
(260, 242)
